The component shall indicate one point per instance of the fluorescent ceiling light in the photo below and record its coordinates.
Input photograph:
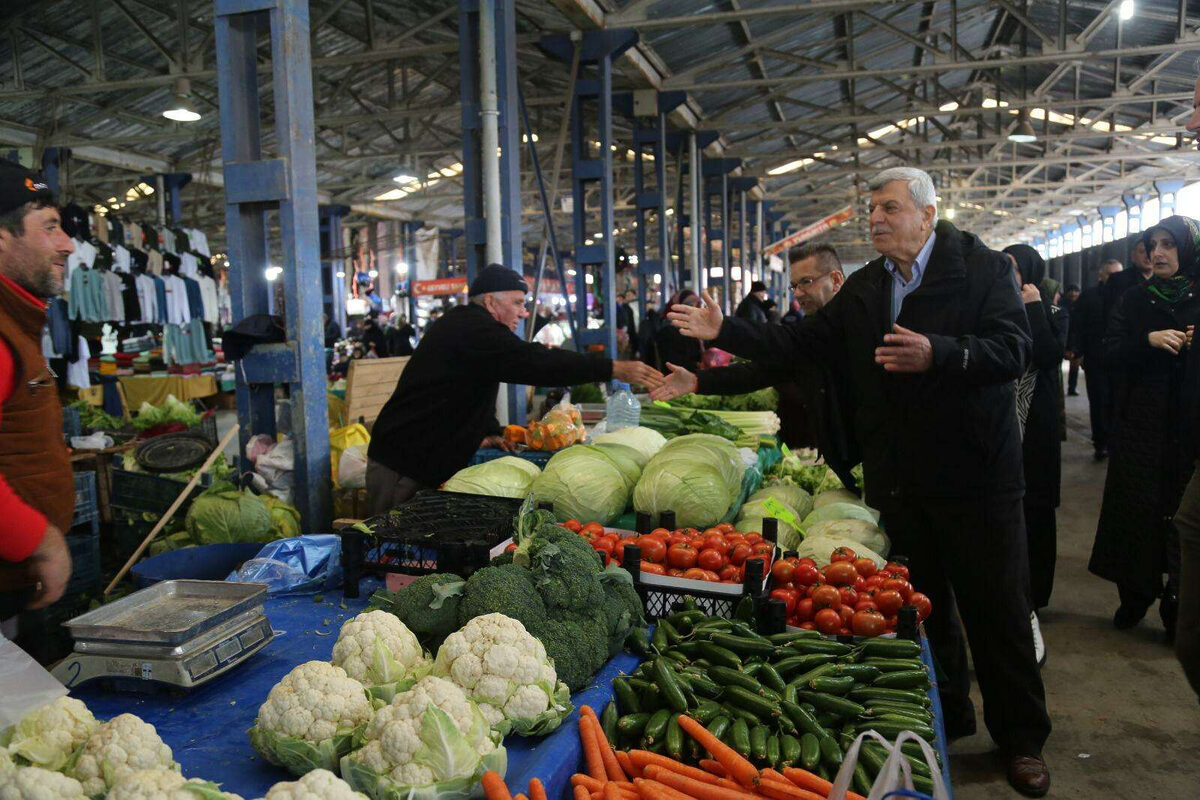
(1024, 133)
(402, 268)
(951, 106)
(404, 178)
(717, 272)
(273, 272)
(783, 169)
(950, 213)
(1127, 8)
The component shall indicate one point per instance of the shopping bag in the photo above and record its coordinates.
(342, 438)
(895, 775)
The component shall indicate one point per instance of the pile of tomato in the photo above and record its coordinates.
(849, 596)
(717, 554)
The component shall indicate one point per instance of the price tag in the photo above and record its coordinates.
(779, 511)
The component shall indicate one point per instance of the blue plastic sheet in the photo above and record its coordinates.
(302, 564)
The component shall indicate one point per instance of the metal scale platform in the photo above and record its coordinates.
(179, 633)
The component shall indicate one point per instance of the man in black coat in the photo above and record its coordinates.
(929, 340)
(1089, 319)
(1069, 299)
(752, 306)
(444, 407)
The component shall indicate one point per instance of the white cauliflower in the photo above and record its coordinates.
(6, 763)
(377, 649)
(119, 747)
(48, 736)
(162, 784)
(504, 669)
(320, 784)
(309, 718)
(35, 783)
(432, 735)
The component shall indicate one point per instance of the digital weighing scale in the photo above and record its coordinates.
(179, 633)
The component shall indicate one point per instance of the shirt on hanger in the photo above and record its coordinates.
(122, 261)
(86, 301)
(189, 266)
(154, 262)
(208, 295)
(84, 255)
(114, 303)
(177, 312)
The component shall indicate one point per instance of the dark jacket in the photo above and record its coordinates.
(1150, 455)
(1117, 285)
(1088, 321)
(947, 434)
(675, 348)
(399, 340)
(445, 402)
(751, 308)
(1042, 444)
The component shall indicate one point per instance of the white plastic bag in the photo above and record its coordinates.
(896, 772)
(276, 468)
(24, 685)
(352, 467)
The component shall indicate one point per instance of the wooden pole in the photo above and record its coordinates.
(220, 448)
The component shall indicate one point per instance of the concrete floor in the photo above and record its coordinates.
(1125, 720)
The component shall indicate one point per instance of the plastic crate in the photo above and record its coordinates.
(87, 507)
(208, 427)
(433, 532)
(483, 455)
(72, 425)
(42, 634)
(143, 491)
(83, 542)
(662, 595)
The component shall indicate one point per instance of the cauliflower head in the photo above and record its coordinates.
(320, 784)
(7, 767)
(428, 741)
(162, 784)
(377, 648)
(505, 670)
(48, 736)
(309, 717)
(123, 745)
(35, 783)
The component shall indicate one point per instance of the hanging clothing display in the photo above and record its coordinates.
(86, 301)
(122, 262)
(113, 301)
(208, 295)
(427, 254)
(84, 255)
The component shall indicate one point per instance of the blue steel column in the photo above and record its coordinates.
(737, 189)
(253, 185)
(52, 160)
(597, 51)
(332, 262)
(1168, 196)
(717, 170)
(474, 227)
(173, 183)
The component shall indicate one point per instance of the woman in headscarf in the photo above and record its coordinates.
(1151, 455)
(1038, 413)
(673, 346)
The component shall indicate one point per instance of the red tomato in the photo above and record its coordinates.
(753, 537)
(865, 566)
(827, 597)
(867, 623)
(696, 574)
(573, 525)
(604, 545)
(844, 631)
(734, 539)
(809, 561)
(716, 541)
(762, 548)
(739, 553)
(653, 568)
(508, 548)
(788, 596)
(847, 614)
(783, 572)
(593, 527)
(922, 603)
(618, 551)
(865, 605)
(676, 538)
(842, 554)
(827, 621)
(806, 574)
(849, 596)
(653, 549)
(726, 527)
(663, 532)
(889, 602)
(804, 609)
(711, 559)
(681, 556)
(900, 585)
(891, 624)
(897, 569)
(860, 584)
(807, 626)
(841, 573)
(874, 580)
(675, 573)
(730, 574)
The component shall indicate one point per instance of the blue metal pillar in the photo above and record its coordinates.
(333, 267)
(173, 183)
(255, 184)
(591, 120)
(716, 171)
(1168, 195)
(678, 143)
(737, 189)
(409, 230)
(52, 159)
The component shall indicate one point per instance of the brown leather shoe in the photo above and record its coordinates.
(1029, 775)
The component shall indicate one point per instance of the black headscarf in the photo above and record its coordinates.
(1030, 263)
(1186, 233)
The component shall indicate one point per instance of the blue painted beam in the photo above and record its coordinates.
(257, 181)
(597, 46)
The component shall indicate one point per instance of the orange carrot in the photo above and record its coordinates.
(611, 792)
(537, 790)
(653, 790)
(773, 775)
(582, 793)
(494, 787)
(611, 766)
(591, 750)
(693, 787)
(520, 796)
(646, 759)
(738, 768)
(778, 790)
(626, 765)
(587, 782)
(587, 711)
(708, 765)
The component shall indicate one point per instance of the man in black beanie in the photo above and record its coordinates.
(444, 407)
(754, 305)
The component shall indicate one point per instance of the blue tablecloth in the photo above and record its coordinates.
(939, 726)
(206, 728)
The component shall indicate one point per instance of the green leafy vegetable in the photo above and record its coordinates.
(508, 476)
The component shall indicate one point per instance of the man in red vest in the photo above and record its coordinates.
(37, 489)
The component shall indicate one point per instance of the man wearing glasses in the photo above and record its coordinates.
(807, 407)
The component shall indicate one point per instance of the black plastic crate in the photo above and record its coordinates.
(129, 528)
(433, 532)
(143, 491)
(87, 508)
(41, 633)
(83, 542)
(663, 595)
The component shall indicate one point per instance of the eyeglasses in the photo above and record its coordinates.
(804, 283)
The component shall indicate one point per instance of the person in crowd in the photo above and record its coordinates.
(1152, 454)
(930, 338)
(372, 333)
(1142, 270)
(1070, 297)
(1037, 413)
(333, 332)
(752, 306)
(809, 414)
(672, 346)
(399, 337)
(444, 407)
(1086, 345)
(627, 334)
(37, 493)
(794, 314)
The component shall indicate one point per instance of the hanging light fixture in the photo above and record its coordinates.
(181, 108)
(1024, 133)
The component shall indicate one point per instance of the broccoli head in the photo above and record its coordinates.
(578, 644)
(622, 607)
(566, 570)
(428, 606)
(506, 589)
(502, 559)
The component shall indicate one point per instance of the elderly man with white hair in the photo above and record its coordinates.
(928, 340)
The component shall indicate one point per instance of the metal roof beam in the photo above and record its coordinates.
(144, 31)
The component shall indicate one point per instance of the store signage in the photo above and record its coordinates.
(443, 286)
(816, 229)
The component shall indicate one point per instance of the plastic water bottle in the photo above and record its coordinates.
(622, 409)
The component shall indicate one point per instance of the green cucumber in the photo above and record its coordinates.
(861, 781)
(633, 724)
(838, 706)
(627, 699)
(673, 636)
(891, 648)
(656, 726)
(830, 685)
(863, 673)
(659, 639)
(740, 734)
(718, 726)
(865, 693)
(608, 721)
(771, 679)
(909, 679)
(890, 729)
(827, 646)
(894, 664)
(738, 712)
(702, 686)
(668, 684)
(796, 665)
(913, 710)
(743, 646)
(791, 636)
(810, 751)
(831, 752)
(731, 677)
(773, 751)
(758, 743)
(674, 738)
(706, 711)
(789, 751)
(756, 704)
(722, 656)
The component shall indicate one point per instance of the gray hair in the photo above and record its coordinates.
(920, 185)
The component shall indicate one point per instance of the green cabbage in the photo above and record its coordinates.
(508, 476)
(789, 494)
(836, 496)
(722, 452)
(172, 410)
(646, 441)
(840, 511)
(226, 514)
(627, 459)
(788, 537)
(861, 531)
(698, 476)
(285, 519)
(586, 483)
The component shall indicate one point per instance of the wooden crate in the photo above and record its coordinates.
(369, 384)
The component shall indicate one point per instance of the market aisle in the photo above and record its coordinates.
(1125, 720)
